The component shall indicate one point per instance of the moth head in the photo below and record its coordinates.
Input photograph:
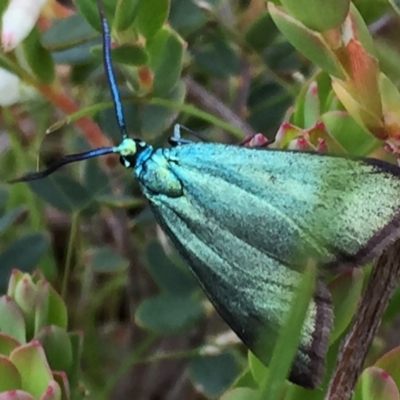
(128, 150)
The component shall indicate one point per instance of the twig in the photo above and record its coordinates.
(385, 276)
(244, 81)
(212, 104)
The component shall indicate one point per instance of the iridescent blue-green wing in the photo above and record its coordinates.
(339, 211)
(250, 290)
(246, 221)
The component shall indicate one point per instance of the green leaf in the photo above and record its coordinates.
(76, 55)
(167, 314)
(151, 16)
(125, 14)
(312, 105)
(67, 32)
(106, 260)
(128, 54)
(354, 138)
(389, 59)
(3, 196)
(57, 346)
(108, 122)
(57, 313)
(9, 376)
(3, 6)
(390, 97)
(41, 305)
(95, 180)
(246, 379)
(38, 58)
(17, 395)
(157, 119)
(320, 15)
(65, 386)
(25, 296)
(375, 384)
(187, 17)
(213, 374)
(10, 217)
(7, 344)
(257, 368)
(9, 65)
(62, 192)
(165, 52)
(217, 57)
(392, 309)
(289, 338)
(15, 276)
(361, 31)
(168, 276)
(81, 73)
(372, 10)
(325, 92)
(261, 32)
(31, 363)
(76, 339)
(89, 10)
(12, 321)
(24, 254)
(52, 392)
(240, 394)
(390, 362)
(308, 42)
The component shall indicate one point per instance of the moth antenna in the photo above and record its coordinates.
(71, 158)
(109, 70)
(117, 107)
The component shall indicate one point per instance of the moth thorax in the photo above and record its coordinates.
(156, 176)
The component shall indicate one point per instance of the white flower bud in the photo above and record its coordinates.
(12, 90)
(18, 20)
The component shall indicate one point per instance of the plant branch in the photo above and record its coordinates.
(385, 276)
(90, 129)
(213, 105)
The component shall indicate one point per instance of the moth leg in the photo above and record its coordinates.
(176, 139)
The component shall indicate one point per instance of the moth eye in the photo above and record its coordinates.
(124, 162)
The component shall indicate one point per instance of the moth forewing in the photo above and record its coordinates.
(247, 222)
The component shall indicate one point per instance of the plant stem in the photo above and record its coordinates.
(213, 105)
(71, 243)
(21, 164)
(385, 276)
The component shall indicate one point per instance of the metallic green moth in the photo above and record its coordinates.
(247, 220)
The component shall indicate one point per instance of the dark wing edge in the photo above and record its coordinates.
(311, 375)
